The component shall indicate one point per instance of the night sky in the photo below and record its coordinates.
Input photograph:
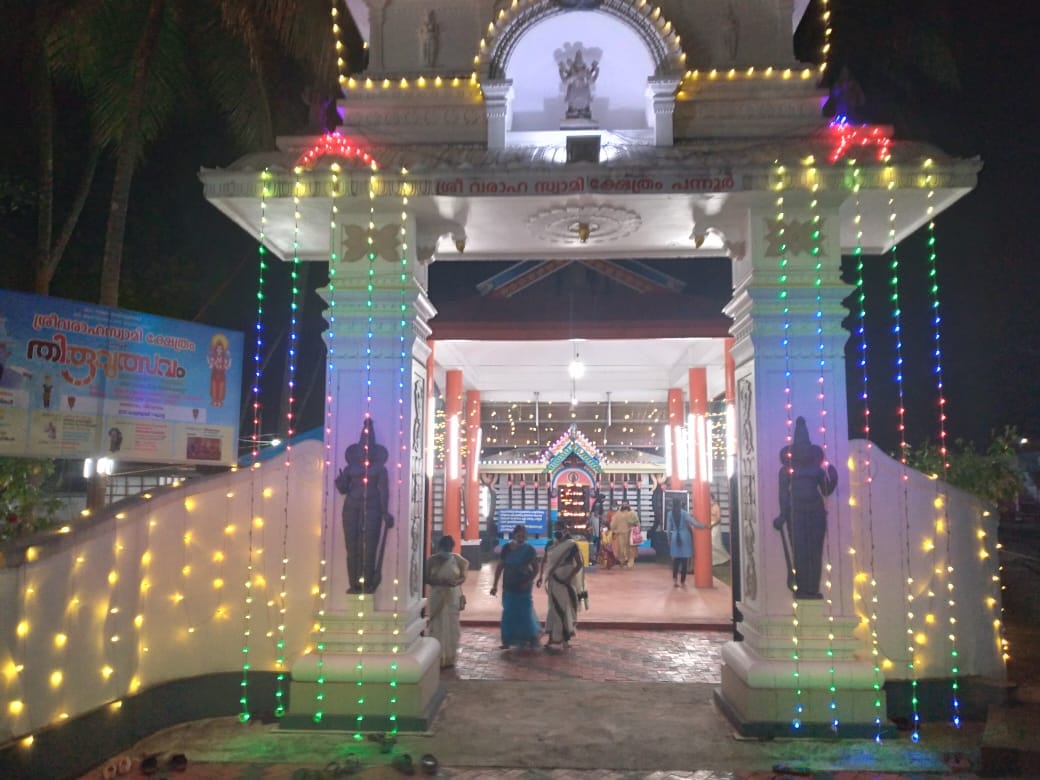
(185, 260)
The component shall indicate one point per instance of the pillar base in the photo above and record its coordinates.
(760, 679)
(767, 710)
(398, 671)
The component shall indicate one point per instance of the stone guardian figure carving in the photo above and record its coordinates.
(731, 33)
(429, 32)
(804, 482)
(578, 79)
(365, 484)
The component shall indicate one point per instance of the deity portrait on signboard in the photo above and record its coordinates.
(218, 358)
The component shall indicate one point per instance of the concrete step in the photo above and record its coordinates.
(1010, 747)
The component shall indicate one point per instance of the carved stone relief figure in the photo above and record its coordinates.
(417, 493)
(429, 33)
(731, 32)
(748, 501)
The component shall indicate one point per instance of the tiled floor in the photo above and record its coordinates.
(640, 597)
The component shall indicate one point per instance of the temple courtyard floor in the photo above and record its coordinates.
(632, 698)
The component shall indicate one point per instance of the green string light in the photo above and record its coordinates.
(403, 442)
(258, 332)
(370, 335)
(816, 252)
(897, 330)
(868, 508)
(784, 297)
(942, 500)
(294, 276)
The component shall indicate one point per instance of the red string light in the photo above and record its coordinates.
(845, 137)
(334, 145)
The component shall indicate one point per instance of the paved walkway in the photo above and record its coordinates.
(615, 656)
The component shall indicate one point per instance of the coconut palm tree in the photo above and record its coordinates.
(138, 62)
(24, 27)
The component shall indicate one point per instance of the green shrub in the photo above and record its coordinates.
(27, 500)
(994, 474)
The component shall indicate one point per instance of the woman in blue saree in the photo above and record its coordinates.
(517, 568)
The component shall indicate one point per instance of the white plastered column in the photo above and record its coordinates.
(760, 675)
(498, 103)
(377, 315)
(660, 108)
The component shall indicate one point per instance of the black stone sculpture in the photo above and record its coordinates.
(804, 483)
(365, 483)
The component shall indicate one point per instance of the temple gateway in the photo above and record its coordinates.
(546, 133)
(555, 141)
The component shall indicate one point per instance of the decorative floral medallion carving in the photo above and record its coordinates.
(592, 224)
(797, 236)
(385, 243)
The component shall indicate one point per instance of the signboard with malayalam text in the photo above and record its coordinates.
(534, 520)
(81, 380)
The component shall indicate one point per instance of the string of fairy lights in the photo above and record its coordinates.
(867, 508)
(258, 345)
(815, 250)
(329, 455)
(904, 449)
(942, 525)
(783, 278)
(290, 432)
(402, 449)
(366, 454)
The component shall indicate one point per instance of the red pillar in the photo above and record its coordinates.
(675, 424)
(452, 454)
(702, 577)
(472, 465)
(429, 458)
(731, 414)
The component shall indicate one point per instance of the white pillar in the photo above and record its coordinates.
(759, 674)
(377, 314)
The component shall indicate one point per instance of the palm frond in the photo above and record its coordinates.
(234, 79)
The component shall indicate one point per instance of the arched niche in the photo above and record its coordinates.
(643, 18)
(625, 64)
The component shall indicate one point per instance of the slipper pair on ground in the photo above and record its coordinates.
(118, 766)
(405, 765)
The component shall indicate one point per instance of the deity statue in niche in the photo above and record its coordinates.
(366, 520)
(731, 33)
(805, 481)
(578, 80)
(429, 33)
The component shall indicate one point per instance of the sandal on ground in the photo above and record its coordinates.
(403, 764)
(348, 766)
(178, 762)
(150, 764)
(429, 764)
